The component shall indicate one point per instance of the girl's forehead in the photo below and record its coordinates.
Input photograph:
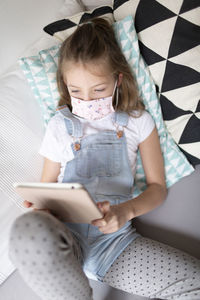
(93, 69)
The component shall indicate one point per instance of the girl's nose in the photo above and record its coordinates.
(87, 97)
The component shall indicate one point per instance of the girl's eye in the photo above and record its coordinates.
(75, 91)
(100, 90)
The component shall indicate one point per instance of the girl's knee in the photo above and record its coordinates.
(30, 222)
(30, 232)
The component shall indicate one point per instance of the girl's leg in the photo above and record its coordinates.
(48, 258)
(152, 269)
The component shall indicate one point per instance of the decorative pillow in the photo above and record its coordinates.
(169, 38)
(61, 29)
(40, 82)
(49, 59)
(175, 161)
(176, 165)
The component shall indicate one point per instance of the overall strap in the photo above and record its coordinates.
(73, 125)
(121, 118)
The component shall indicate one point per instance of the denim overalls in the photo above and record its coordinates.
(101, 164)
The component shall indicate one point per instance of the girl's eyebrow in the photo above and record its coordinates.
(91, 86)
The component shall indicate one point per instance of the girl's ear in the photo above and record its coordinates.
(120, 79)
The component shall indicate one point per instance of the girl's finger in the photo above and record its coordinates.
(27, 204)
(99, 223)
(104, 206)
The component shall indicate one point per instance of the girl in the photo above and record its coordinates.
(93, 139)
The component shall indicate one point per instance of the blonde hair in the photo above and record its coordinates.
(92, 41)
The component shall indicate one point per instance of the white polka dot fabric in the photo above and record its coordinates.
(152, 269)
(49, 260)
(46, 255)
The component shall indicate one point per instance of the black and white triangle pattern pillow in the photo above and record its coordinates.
(61, 29)
(169, 35)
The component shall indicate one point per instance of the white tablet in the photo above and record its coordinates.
(69, 202)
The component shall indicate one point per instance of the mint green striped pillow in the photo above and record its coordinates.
(176, 164)
(41, 76)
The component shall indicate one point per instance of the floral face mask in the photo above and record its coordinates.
(93, 109)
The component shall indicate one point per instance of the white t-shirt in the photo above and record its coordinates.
(56, 144)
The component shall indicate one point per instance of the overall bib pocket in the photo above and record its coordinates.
(102, 160)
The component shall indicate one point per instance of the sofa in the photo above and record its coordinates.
(22, 123)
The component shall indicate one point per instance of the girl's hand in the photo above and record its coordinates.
(28, 204)
(115, 216)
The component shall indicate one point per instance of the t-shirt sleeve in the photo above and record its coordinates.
(50, 144)
(145, 124)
